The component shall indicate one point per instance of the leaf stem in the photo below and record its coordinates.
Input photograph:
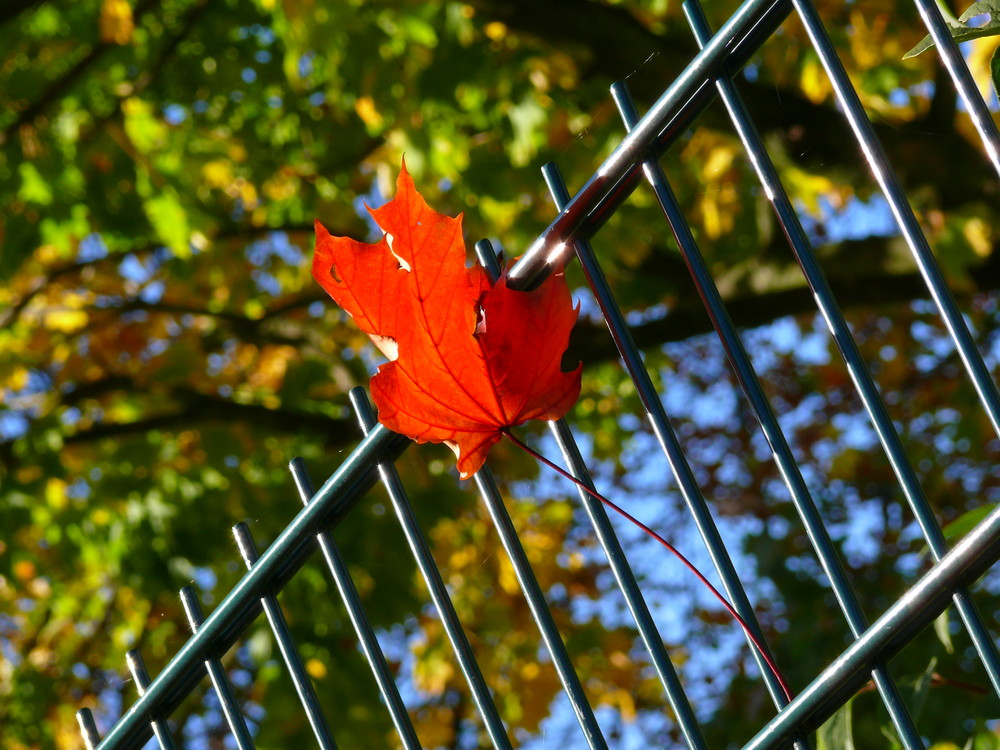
(677, 553)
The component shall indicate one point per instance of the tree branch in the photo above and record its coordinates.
(61, 85)
(589, 342)
(202, 408)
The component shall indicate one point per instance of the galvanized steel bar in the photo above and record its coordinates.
(359, 619)
(141, 678)
(88, 728)
(286, 645)
(911, 613)
(241, 606)
(217, 673)
(976, 367)
(668, 440)
(620, 568)
(739, 38)
(957, 68)
(490, 494)
(435, 585)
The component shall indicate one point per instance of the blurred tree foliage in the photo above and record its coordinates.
(164, 351)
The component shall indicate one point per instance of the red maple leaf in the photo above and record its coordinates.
(467, 360)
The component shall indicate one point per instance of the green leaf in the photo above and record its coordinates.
(34, 188)
(967, 522)
(169, 220)
(837, 733)
(922, 688)
(962, 32)
(995, 70)
(963, 524)
(943, 631)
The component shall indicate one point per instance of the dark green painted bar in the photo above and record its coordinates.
(693, 90)
(220, 681)
(911, 613)
(241, 606)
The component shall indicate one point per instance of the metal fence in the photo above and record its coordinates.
(579, 218)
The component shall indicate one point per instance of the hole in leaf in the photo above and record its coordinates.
(480, 320)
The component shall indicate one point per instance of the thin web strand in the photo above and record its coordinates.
(676, 552)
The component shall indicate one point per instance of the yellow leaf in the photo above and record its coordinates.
(364, 106)
(711, 216)
(116, 22)
(316, 669)
(16, 379)
(623, 701)
(55, 493)
(247, 193)
(979, 62)
(977, 233)
(495, 30)
(66, 321)
(815, 84)
(507, 579)
(809, 188)
(719, 160)
(217, 173)
(271, 366)
(435, 726)
(47, 254)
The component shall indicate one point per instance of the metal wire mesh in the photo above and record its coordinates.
(580, 217)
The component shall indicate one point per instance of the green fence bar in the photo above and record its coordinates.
(435, 585)
(141, 678)
(356, 611)
(709, 74)
(217, 674)
(286, 645)
(241, 606)
(913, 612)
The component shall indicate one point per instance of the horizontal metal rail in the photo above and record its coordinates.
(621, 172)
(241, 606)
(912, 612)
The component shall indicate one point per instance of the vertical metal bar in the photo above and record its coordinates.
(620, 568)
(435, 585)
(801, 497)
(667, 439)
(286, 644)
(88, 728)
(893, 191)
(362, 626)
(872, 148)
(227, 699)
(135, 665)
(490, 493)
(962, 78)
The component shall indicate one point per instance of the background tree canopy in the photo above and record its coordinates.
(164, 351)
